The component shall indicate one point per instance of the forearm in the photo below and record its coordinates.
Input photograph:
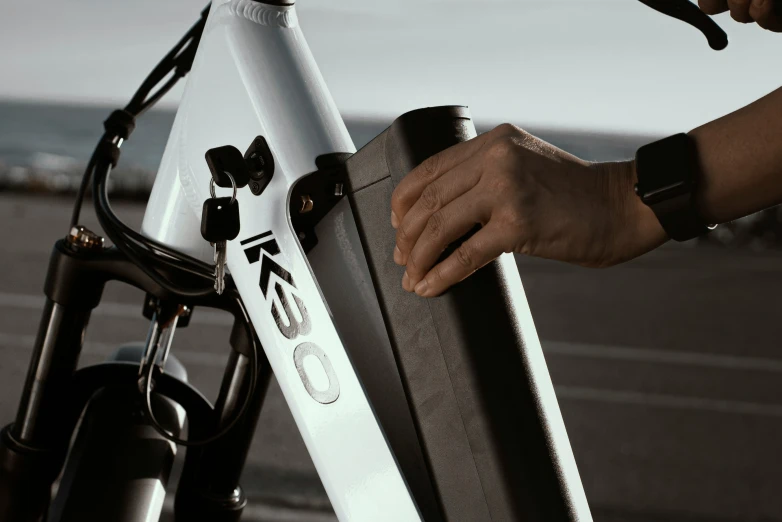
(741, 161)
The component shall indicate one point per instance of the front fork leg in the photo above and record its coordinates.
(33, 448)
(209, 487)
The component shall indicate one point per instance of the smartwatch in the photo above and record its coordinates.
(668, 172)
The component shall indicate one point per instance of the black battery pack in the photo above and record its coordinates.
(484, 445)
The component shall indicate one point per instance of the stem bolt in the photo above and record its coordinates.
(81, 237)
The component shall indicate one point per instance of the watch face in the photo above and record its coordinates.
(665, 168)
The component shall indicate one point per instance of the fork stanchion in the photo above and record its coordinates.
(210, 486)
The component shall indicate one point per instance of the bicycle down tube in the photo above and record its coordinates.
(335, 340)
(254, 75)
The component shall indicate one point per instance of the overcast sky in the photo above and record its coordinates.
(605, 65)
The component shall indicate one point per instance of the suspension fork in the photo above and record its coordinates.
(33, 448)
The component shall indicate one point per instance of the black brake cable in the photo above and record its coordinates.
(141, 250)
(100, 193)
(179, 60)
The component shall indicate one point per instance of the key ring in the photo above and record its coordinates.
(233, 184)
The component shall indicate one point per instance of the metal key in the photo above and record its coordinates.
(220, 248)
(220, 224)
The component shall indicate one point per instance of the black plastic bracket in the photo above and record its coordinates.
(314, 195)
(151, 305)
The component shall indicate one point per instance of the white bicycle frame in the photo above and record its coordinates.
(254, 75)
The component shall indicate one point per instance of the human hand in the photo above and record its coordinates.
(528, 196)
(766, 13)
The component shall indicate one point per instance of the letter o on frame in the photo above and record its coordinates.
(328, 395)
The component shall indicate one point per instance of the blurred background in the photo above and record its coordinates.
(668, 369)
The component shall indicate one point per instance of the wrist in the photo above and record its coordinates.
(669, 175)
(639, 229)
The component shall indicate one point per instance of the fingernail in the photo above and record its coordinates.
(421, 287)
(394, 219)
(397, 255)
(758, 3)
(405, 282)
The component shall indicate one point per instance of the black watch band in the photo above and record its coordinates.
(668, 172)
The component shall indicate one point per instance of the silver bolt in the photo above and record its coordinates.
(306, 204)
(82, 237)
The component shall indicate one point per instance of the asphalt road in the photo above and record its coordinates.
(668, 370)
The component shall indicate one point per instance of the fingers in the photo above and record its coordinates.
(713, 7)
(410, 188)
(486, 245)
(765, 14)
(433, 198)
(747, 11)
(739, 11)
(444, 227)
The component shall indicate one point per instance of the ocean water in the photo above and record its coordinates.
(41, 135)
(44, 147)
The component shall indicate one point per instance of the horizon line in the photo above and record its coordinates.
(368, 118)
